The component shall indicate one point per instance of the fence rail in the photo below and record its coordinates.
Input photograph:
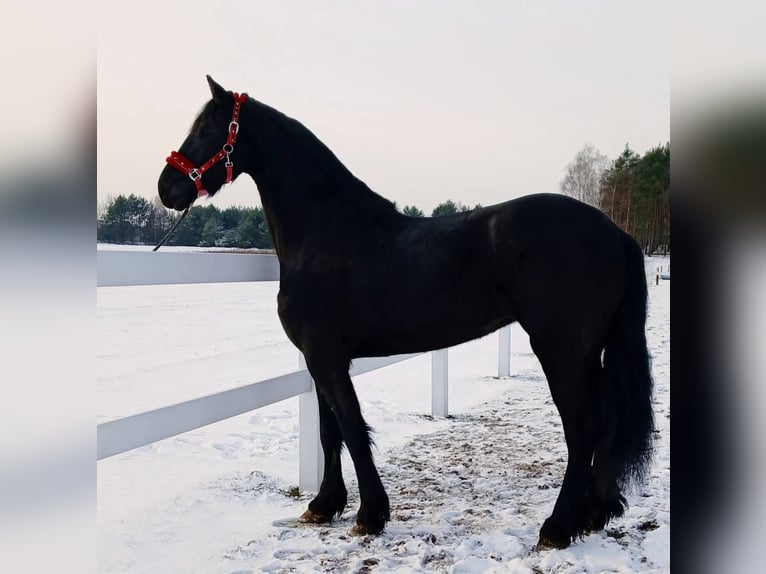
(121, 435)
(122, 268)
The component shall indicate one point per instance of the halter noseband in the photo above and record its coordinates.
(195, 173)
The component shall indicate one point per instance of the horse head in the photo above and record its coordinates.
(206, 159)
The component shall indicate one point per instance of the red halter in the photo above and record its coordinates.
(195, 173)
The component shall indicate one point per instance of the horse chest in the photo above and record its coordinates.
(309, 311)
(288, 309)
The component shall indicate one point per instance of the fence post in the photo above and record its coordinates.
(439, 383)
(311, 458)
(504, 352)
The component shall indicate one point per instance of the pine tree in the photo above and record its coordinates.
(448, 207)
(413, 211)
(635, 194)
(211, 231)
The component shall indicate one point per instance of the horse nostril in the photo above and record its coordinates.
(164, 190)
(166, 199)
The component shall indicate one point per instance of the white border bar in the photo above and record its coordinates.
(121, 435)
(118, 436)
(123, 268)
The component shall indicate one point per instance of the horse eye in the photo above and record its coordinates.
(203, 130)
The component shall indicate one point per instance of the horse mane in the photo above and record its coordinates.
(282, 136)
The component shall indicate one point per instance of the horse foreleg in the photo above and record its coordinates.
(331, 499)
(335, 387)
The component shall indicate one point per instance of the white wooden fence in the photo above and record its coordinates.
(122, 268)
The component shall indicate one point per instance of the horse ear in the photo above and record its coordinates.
(219, 94)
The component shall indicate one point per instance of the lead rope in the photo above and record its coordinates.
(172, 229)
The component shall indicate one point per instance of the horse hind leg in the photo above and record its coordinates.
(573, 387)
(605, 501)
(332, 497)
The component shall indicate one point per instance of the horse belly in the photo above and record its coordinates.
(436, 321)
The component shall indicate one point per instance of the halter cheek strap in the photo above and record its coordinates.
(186, 166)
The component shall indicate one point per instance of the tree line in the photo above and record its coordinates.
(133, 219)
(633, 190)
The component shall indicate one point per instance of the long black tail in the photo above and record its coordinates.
(626, 419)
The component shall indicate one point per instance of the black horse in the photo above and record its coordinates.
(358, 278)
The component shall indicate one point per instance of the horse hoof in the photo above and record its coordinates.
(359, 530)
(312, 518)
(550, 544)
(552, 536)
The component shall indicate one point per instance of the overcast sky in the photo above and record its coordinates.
(424, 101)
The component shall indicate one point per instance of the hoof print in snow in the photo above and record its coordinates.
(367, 565)
(648, 525)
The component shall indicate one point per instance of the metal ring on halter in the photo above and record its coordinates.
(228, 148)
(195, 174)
(234, 127)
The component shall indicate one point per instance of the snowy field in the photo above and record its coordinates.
(468, 493)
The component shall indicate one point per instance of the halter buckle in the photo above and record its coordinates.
(234, 127)
(195, 174)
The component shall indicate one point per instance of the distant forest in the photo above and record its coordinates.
(135, 220)
(633, 190)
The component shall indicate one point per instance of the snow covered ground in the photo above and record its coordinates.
(468, 493)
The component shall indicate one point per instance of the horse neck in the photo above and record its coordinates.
(305, 190)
